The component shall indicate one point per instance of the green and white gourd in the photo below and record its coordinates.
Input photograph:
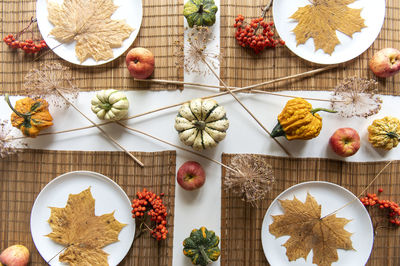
(110, 105)
(201, 124)
(200, 12)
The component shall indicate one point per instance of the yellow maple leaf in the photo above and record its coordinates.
(322, 18)
(303, 223)
(82, 232)
(89, 23)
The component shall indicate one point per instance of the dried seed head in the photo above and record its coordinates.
(197, 51)
(8, 146)
(44, 83)
(356, 97)
(253, 179)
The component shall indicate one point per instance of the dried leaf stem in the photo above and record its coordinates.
(176, 146)
(361, 193)
(101, 130)
(58, 253)
(245, 108)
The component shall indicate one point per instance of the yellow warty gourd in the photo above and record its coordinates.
(384, 133)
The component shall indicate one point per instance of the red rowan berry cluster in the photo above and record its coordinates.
(29, 45)
(257, 35)
(151, 204)
(391, 206)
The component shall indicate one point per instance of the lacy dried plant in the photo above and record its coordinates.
(253, 178)
(8, 145)
(44, 82)
(356, 97)
(197, 50)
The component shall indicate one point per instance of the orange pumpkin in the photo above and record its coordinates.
(30, 115)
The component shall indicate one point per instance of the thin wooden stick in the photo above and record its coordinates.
(245, 108)
(102, 130)
(234, 89)
(362, 192)
(291, 96)
(238, 89)
(176, 146)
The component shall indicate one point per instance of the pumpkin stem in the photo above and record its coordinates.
(277, 131)
(204, 255)
(106, 106)
(7, 99)
(393, 135)
(200, 125)
(200, 9)
(313, 111)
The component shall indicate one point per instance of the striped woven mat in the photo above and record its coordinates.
(241, 224)
(22, 177)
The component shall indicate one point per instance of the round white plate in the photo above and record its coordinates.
(331, 197)
(129, 10)
(108, 197)
(373, 12)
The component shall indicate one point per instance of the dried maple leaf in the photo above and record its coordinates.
(322, 18)
(303, 223)
(82, 232)
(89, 23)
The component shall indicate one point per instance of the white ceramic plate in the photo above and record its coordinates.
(108, 197)
(129, 10)
(331, 197)
(373, 11)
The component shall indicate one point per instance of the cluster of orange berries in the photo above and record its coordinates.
(248, 35)
(29, 46)
(391, 206)
(148, 202)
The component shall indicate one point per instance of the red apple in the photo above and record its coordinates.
(385, 63)
(191, 175)
(345, 142)
(16, 255)
(140, 62)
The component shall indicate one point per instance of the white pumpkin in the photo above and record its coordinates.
(110, 104)
(201, 124)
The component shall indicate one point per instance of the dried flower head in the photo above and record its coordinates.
(253, 178)
(356, 97)
(197, 51)
(8, 146)
(47, 81)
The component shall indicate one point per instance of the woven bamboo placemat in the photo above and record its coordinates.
(19, 188)
(241, 67)
(241, 224)
(162, 25)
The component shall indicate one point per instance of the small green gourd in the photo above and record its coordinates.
(200, 12)
(202, 246)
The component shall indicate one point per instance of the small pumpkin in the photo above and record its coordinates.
(110, 105)
(384, 133)
(299, 121)
(30, 115)
(201, 124)
(202, 246)
(200, 12)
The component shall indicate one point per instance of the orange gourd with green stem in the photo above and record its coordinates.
(299, 121)
(30, 115)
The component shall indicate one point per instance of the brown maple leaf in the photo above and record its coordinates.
(82, 232)
(322, 18)
(89, 23)
(303, 223)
